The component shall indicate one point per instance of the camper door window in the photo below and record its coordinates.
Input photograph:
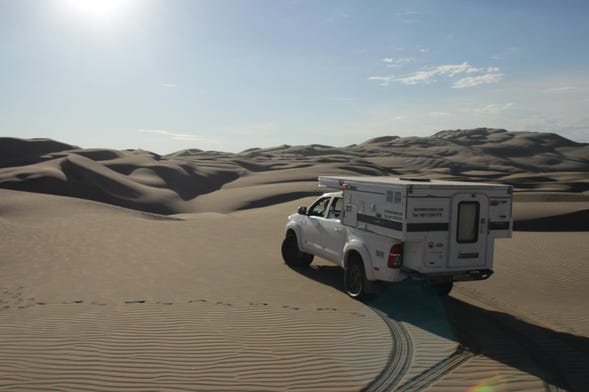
(468, 222)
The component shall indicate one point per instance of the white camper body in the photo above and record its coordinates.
(440, 231)
(445, 226)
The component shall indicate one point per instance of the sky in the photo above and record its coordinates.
(166, 75)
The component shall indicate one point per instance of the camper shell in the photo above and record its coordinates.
(440, 231)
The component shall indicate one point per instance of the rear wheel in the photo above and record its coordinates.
(291, 253)
(355, 278)
(443, 289)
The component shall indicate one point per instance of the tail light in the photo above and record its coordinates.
(395, 256)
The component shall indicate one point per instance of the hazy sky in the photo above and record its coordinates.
(228, 75)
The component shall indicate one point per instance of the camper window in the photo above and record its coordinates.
(468, 222)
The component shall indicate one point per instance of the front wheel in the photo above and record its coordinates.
(291, 253)
(355, 279)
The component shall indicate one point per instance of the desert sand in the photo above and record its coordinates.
(126, 270)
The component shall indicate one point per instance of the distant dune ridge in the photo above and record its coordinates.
(541, 164)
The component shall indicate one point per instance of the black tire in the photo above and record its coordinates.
(355, 279)
(443, 289)
(291, 253)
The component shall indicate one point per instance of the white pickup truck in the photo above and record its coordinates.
(390, 229)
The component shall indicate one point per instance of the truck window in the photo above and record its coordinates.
(468, 222)
(335, 210)
(318, 209)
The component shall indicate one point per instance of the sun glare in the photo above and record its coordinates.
(97, 10)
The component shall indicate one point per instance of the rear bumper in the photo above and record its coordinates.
(456, 276)
(473, 275)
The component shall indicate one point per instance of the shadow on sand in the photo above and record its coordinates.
(560, 359)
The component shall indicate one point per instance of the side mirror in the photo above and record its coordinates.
(302, 210)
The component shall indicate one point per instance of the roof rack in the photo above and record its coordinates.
(416, 179)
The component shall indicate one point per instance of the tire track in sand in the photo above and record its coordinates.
(431, 375)
(399, 359)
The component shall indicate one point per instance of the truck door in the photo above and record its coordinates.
(311, 227)
(332, 231)
(468, 230)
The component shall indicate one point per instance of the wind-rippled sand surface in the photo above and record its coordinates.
(95, 297)
(179, 346)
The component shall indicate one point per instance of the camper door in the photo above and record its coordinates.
(468, 231)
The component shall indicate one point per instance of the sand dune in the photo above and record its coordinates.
(186, 181)
(164, 272)
(551, 216)
(18, 152)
